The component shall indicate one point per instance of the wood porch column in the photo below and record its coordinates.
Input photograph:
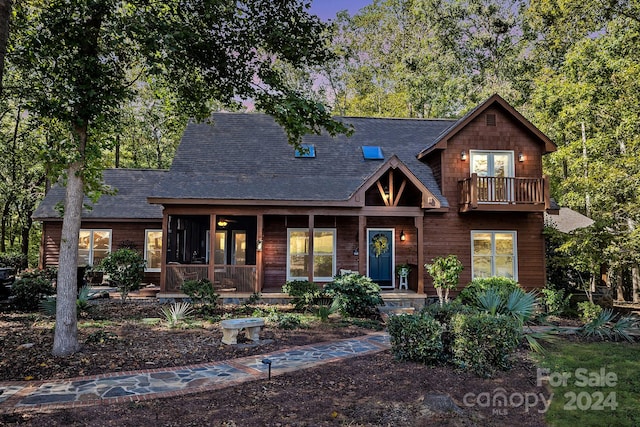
(310, 257)
(259, 266)
(362, 245)
(212, 247)
(419, 223)
(165, 246)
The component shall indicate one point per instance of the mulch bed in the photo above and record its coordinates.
(374, 390)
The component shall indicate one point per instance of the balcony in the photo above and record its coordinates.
(506, 194)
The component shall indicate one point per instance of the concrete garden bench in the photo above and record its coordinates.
(231, 327)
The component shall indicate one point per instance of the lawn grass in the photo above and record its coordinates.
(575, 400)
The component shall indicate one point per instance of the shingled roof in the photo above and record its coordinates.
(247, 157)
(130, 201)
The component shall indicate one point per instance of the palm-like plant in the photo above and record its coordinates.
(177, 312)
(605, 326)
(519, 304)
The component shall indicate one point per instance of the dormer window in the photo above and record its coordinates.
(372, 152)
(306, 150)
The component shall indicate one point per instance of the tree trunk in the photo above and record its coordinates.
(65, 340)
(635, 278)
(619, 287)
(5, 18)
(3, 226)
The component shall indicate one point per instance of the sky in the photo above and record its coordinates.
(327, 9)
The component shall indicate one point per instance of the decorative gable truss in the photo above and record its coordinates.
(393, 185)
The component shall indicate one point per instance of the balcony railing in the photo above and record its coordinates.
(489, 193)
(226, 278)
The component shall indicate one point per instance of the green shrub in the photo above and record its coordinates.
(444, 315)
(554, 300)
(588, 311)
(483, 342)
(15, 260)
(302, 292)
(288, 321)
(28, 292)
(357, 295)
(125, 268)
(502, 285)
(415, 337)
(201, 292)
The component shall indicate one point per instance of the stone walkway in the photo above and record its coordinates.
(157, 383)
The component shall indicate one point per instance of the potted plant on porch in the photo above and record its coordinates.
(403, 270)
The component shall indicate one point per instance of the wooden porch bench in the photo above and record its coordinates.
(231, 327)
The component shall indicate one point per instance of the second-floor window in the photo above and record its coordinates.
(494, 168)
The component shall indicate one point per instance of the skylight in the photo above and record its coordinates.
(372, 152)
(307, 150)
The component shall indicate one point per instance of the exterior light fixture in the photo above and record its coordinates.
(222, 223)
(356, 252)
(403, 237)
(259, 245)
(521, 157)
(463, 155)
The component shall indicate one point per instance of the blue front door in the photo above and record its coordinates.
(380, 257)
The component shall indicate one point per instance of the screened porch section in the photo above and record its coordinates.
(228, 259)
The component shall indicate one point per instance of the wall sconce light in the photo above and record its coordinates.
(356, 252)
(403, 237)
(259, 245)
(520, 157)
(463, 155)
(386, 192)
(222, 223)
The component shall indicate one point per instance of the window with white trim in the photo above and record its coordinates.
(93, 246)
(324, 254)
(153, 249)
(494, 253)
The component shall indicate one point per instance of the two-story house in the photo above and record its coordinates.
(241, 207)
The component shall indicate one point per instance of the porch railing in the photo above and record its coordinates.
(226, 278)
(525, 193)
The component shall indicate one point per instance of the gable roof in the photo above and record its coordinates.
(130, 201)
(246, 158)
(440, 142)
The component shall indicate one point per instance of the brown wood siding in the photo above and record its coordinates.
(275, 244)
(120, 232)
(508, 134)
(450, 232)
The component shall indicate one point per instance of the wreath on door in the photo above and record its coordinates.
(380, 244)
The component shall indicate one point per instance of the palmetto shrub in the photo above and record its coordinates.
(502, 285)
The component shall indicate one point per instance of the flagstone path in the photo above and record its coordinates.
(158, 383)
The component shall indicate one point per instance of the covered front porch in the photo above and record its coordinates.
(252, 252)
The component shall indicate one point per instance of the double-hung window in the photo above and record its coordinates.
(93, 246)
(494, 254)
(153, 249)
(324, 254)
